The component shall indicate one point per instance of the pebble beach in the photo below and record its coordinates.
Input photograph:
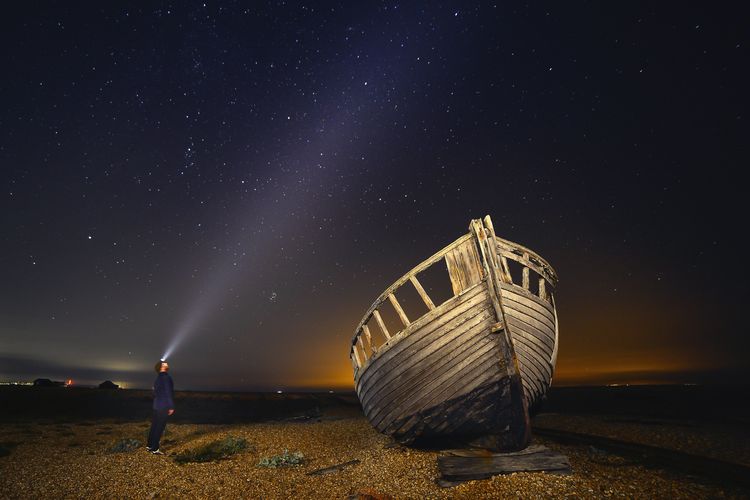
(74, 460)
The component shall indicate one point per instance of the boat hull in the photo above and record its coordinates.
(445, 376)
(533, 328)
(472, 366)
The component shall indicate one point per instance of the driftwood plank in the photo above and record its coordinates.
(469, 465)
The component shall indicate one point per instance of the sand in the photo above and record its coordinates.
(71, 460)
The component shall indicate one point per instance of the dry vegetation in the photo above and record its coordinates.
(75, 460)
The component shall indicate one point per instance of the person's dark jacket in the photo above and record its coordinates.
(163, 392)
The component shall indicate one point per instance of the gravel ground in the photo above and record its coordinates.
(71, 460)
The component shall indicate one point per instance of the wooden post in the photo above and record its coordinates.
(503, 264)
(362, 346)
(426, 298)
(356, 356)
(368, 337)
(399, 310)
(381, 324)
(542, 289)
(525, 275)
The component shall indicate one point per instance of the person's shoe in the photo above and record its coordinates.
(157, 452)
(148, 448)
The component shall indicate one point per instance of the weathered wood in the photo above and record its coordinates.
(511, 304)
(415, 351)
(333, 468)
(505, 270)
(525, 274)
(464, 267)
(520, 415)
(456, 468)
(362, 346)
(426, 378)
(535, 259)
(381, 324)
(481, 237)
(444, 381)
(425, 358)
(426, 298)
(542, 290)
(399, 310)
(368, 336)
(413, 272)
(518, 294)
(356, 356)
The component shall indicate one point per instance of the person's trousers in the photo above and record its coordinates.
(158, 423)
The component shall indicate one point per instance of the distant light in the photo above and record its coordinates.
(279, 392)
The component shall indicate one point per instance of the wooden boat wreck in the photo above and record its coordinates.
(472, 366)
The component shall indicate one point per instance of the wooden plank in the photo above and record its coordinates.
(426, 298)
(507, 246)
(356, 356)
(540, 270)
(381, 324)
(412, 383)
(542, 289)
(434, 323)
(528, 299)
(527, 341)
(464, 266)
(440, 254)
(505, 270)
(542, 334)
(525, 278)
(480, 367)
(512, 305)
(368, 336)
(455, 469)
(362, 346)
(399, 310)
(423, 354)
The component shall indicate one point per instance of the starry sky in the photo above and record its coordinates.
(242, 180)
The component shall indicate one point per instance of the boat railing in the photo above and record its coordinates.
(363, 341)
(528, 261)
(363, 346)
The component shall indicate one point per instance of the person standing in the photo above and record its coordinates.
(163, 406)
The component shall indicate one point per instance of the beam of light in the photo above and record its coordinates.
(301, 185)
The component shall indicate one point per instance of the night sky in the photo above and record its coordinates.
(247, 178)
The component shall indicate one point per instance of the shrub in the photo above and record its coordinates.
(215, 450)
(282, 460)
(125, 445)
